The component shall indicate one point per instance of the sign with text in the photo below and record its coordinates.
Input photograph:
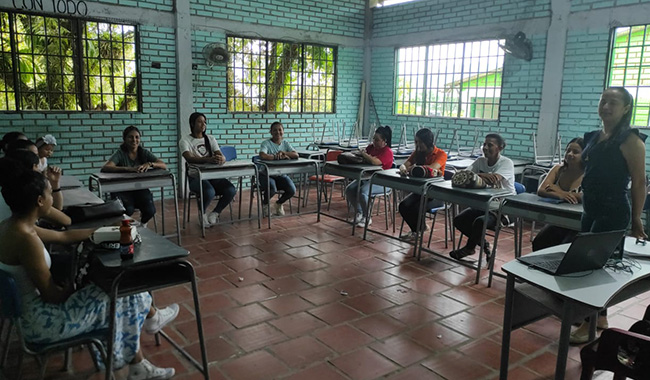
(68, 7)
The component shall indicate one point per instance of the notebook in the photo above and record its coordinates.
(587, 251)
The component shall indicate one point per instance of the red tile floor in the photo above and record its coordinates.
(306, 300)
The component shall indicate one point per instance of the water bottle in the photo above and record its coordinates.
(126, 242)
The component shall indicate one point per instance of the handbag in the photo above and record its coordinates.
(467, 179)
(349, 158)
(85, 212)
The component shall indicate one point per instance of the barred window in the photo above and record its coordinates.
(629, 67)
(61, 64)
(276, 76)
(461, 80)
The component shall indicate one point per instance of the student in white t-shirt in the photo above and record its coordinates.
(277, 148)
(496, 171)
(199, 148)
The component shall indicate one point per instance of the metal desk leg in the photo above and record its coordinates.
(419, 238)
(178, 224)
(563, 344)
(162, 206)
(200, 200)
(111, 327)
(480, 256)
(318, 190)
(507, 326)
(359, 200)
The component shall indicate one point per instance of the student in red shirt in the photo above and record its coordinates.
(377, 153)
(426, 161)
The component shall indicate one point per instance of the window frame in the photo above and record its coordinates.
(609, 69)
(302, 73)
(78, 62)
(427, 78)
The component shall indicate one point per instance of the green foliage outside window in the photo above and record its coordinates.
(60, 64)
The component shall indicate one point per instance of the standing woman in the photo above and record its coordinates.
(430, 161)
(133, 158)
(612, 157)
(377, 153)
(200, 148)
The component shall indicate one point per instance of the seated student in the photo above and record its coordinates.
(10, 137)
(24, 151)
(377, 153)
(429, 161)
(200, 148)
(133, 158)
(277, 148)
(562, 182)
(52, 312)
(496, 171)
(45, 147)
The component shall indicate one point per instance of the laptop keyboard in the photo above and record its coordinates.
(550, 265)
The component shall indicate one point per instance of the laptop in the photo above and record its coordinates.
(588, 251)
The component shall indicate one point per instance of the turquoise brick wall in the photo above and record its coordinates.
(337, 17)
(585, 5)
(247, 130)
(426, 16)
(86, 140)
(161, 5)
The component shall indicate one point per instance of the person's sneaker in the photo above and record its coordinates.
(213, 217)
(487, 251)
(460, 253)
(602, 323)
(358, 218)
(206, 223)
(362, 222)
(162, 317)
(147, 371)
(410, 236)
(580, 335)
(278, 209)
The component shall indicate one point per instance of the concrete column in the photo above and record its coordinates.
(184, 93)
(367, 69)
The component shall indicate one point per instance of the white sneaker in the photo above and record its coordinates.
(278, 209)
(213, 217)
(358, 218)
(147, 371)
(162, 317)
(265, 211)
(206, 221)
(362, 223)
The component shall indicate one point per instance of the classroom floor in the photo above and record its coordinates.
(306, 300)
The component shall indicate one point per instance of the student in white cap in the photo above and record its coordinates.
(45, 147)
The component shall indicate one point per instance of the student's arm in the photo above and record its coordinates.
(63, 237)
(53, 174)
(439, 160)
(410, 161)
(58, 217)
(111, 167)
(192, 159)
(546, 188)
(153, 161)
(372, 160)
(633, 150)
(35, 265)
(289, 152)
(264, 152)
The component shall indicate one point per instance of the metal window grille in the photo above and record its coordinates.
(629, 67)
(461, 80)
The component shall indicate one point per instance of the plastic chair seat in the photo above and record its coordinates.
(328, 178)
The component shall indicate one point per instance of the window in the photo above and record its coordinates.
(629, 67)
(460, 80)
(61, 64)
(275, 76)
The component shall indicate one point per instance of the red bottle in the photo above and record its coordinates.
(126, 242)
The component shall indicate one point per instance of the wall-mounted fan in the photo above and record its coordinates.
(518, 46)
(216, 54)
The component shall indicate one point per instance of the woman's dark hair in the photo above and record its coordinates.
(426, 136)
(26, 158)
(385, 133)
(501, 142)
(21, 186)
(274, 124)
(19, 145)
(577, 140)
(193, 117)
(139, 156)
(628, 100)
(10, 137)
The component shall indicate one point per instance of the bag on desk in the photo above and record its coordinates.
(349, 158)
(82, 213)
(467, 179)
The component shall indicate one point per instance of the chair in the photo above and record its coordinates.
(542, 178)
(328, 179)
(229, 153)
(11, 310)
(255, 185)
(625, 353)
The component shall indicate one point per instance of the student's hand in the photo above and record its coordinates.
(143, 168)
(219, 158)
(53, 174)
(403, 170)
(570, 197)
(637, 229)
(552, 188)
(491, 179)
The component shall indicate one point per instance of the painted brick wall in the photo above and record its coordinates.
(585, 5)
(425, 16)
(337, 17)
(161, 5)
(247, 130)
(86, 140)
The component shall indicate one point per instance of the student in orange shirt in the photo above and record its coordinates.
(426, 161)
